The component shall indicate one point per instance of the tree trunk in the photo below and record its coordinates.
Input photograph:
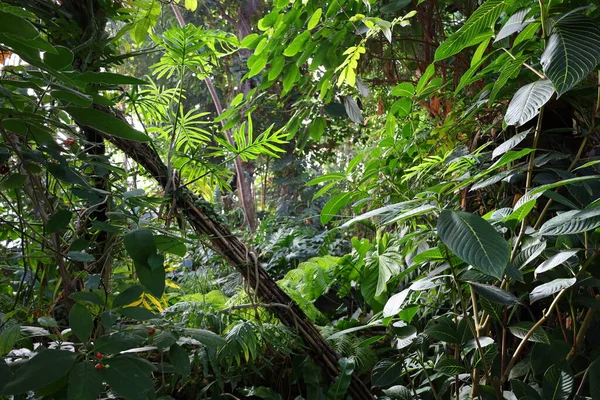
(203, 219)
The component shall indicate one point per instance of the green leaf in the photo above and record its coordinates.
(404, 89)
(13, 181)
(494, 294)
(334, 205)
(72, 96)
(191, 5)
(45, 368)
(353, 111)
(164, 340)
(528, 100)
(548, 289)
(108, 319)
(14, 25)
(555, 261)
(398, 392)
(558, 384)
(180, 360)
(572, 51)
(8, 338)
(315, 18)
(106, 123)
(520, 330)
(475, 241)
(126, 378)
(80, 256)
(85, 382)
(449, 365)
(140, 245)
(59, 221)
(572, 222)
(516, 23)
(152, 279)
(47, 322)
(128, 296)
(170, 244)
(475, 30)
(109, 78)
(81, 322)
(297, 44)
(339, 388)
(88, 297)
(137, 313)
(510, 144)
(60, 61)
(395, 303)
(444, 330)
(386, 373)
(119, 341)
(205, 337)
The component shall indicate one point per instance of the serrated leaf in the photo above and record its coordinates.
(528, 100)
(475, 241)
(474, 30)
(494, 294)
(520, 330)
(548, 289)
(572, 51)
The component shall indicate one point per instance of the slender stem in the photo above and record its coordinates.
(589, 316)
(540, 322)
(536, 137)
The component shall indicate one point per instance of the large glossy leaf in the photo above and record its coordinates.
(528, 100)
(45, 368)
(521, 329)
(572, 51)
(334, 205)
(558, 384)
(128, 378)
(475, 241)
(395, 303)
(81, 322)
(205, 337)
(85, 382)
(180, 360)
(399, 392)
(106, 123)
(475, 30)
(548, 289)
(509, 144)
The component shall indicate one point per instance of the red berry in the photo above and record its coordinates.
(151, 331)
(99, 356)
(70, 142)
(99, 366)
(4, 169)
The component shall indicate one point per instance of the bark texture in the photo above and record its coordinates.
(244, 261)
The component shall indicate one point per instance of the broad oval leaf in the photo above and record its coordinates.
(45, 368)
(398, 392)
(548, 289)
(572, 51)
(205, 337)
(386, 373)
(528, 100)
(81, 322)
(475, 241)
(85, 382)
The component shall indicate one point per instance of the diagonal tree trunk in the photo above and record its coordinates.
(206, 222)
